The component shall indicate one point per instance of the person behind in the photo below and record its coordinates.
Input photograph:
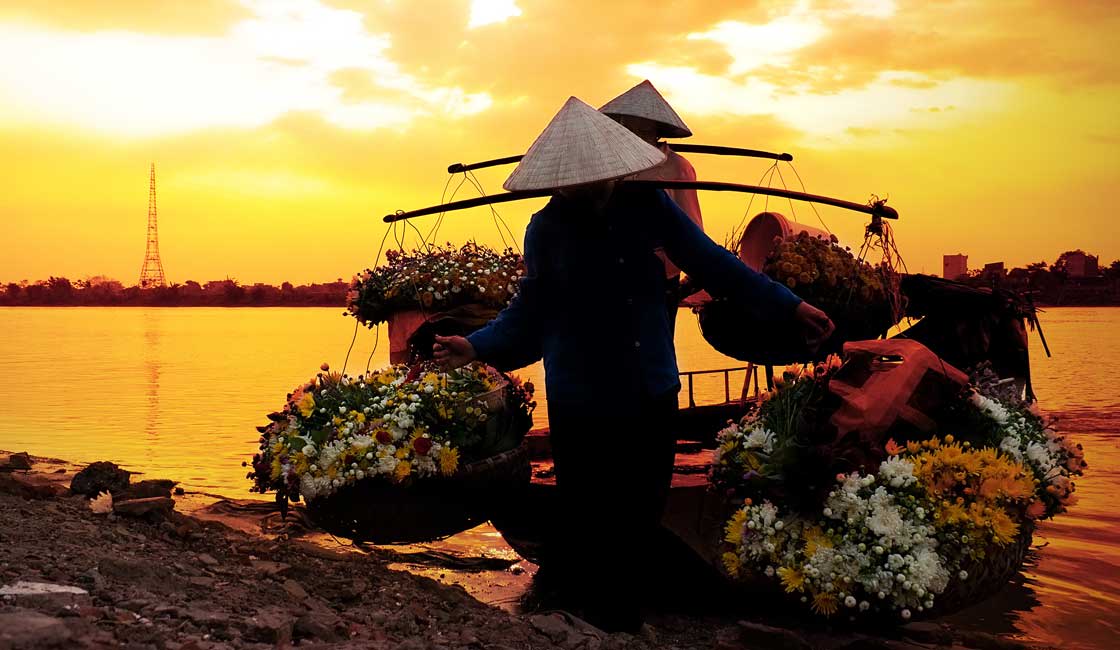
(647, 115)
(591, 304)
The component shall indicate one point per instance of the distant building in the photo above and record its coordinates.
(954, 267)
(1082, 265)
(993, 272)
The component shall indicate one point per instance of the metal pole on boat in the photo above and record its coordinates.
(717, 150)
(877, 208)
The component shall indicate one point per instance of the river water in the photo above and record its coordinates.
(176, 392)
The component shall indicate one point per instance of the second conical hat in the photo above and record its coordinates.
(581, 145)
(643, 100)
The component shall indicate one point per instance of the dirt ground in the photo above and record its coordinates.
(169, 581)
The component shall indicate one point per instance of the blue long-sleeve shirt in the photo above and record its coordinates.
(592, 301)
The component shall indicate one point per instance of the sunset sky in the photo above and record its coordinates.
(282, 130)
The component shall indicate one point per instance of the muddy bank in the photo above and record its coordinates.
(164, 580)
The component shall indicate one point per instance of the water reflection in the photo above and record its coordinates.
(177, 392)
(152, 365)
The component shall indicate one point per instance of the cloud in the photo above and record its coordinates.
(197, 17)
(288, 56)
(489, 12)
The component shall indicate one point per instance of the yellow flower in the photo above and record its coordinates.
(1004, 529)
(731, 563)
(733, 531)
(404, 468)
(402, 452)
(792, 579)
(825, 603)
(815, 539)
(448, 460)
(306, 405)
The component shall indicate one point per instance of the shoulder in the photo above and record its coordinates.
(678, 166)
(544, 220)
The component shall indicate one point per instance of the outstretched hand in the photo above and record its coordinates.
(453, 351)
(818, 327)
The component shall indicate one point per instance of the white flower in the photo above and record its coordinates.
(760, 438)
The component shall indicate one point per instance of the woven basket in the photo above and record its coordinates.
(985, 579)
(382, 512)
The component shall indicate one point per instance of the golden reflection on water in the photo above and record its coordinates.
(177, 392)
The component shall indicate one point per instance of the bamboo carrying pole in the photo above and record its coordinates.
(877, 209)
(456, 168)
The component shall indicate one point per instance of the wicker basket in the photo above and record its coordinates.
(985, 579)
(379, 511)
(739, 331)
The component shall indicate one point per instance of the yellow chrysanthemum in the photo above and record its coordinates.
(815, 539)
(448, 460)
(306, 405)
(731, 563)
(404, 468)
(402, 453)
(952, 513)
(733, 531)
(1004, 529)
(792, 579)
(825, 603)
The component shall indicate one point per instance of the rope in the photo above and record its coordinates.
(498, 218)
(346, 360)
(735, 232)
(811, 204)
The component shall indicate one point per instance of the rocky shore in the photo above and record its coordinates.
(146, 576)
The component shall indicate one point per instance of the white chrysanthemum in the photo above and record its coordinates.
(1012, 446)
(760, 438)
(897, 472)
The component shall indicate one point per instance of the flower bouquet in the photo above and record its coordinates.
(926, 523)
(857, 296)
(398, 454)
(853, 292)
(470, 284)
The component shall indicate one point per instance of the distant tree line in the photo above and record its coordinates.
(1055, 284)
(102, 291)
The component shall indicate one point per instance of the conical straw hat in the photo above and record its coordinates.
(581, 145)
(643, 100)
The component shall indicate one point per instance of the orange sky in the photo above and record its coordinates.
(283, 129)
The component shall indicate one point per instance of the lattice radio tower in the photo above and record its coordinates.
(151, 274)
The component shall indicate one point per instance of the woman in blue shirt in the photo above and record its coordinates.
(591, 304)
